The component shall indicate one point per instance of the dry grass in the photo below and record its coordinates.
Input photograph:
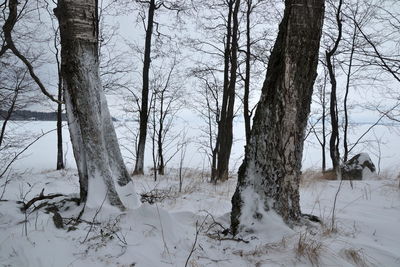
(356, 256)
(329, 230)
(259, 251)
(308, 248)
(310, 176)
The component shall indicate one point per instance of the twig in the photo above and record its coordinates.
(198, 229)
(219, 238)
(94, 218)
(225, 231)
(5, 186)
(334, 204)
(23, 150)
(162, 232)
(194, 244)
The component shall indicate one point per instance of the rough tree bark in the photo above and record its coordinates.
(144, 115)
(269, 176)
(100, 166)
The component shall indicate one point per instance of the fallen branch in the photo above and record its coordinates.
(225, 231)
(156, 195)
(39, 198)
(219, 238)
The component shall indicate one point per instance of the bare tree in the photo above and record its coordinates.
(153, 6)
(230, 65)
(166, 98)
(208, 108)
(269, 175)
(60, 90)
(255, 49)
(321, 117)
(225, 126)
(333, 107)
(145, 90)
(14, 84)
(8, 44)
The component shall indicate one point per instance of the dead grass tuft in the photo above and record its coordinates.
(356, 256)
(308, 248)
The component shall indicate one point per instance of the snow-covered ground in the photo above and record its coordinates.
(164, 233)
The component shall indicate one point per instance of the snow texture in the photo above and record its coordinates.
(163, 234)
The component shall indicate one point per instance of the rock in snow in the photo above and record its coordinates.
(357, 167)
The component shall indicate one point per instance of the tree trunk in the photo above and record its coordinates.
(225, 94)
(323, 145)
(100, 166)
(346, 114)
(225, 130)
(60, 159)
(269, 175)
(153, 138)
(9, 113)
(139, 165)
(160, 152)
(334, 139)
(160, 135)
(246, 111)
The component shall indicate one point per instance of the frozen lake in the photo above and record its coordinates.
(382, 142)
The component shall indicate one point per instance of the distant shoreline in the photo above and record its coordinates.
(28, 115)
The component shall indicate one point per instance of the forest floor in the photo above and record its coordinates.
(185, 228)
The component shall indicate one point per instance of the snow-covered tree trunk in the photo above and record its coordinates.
(101, 169)
(269, 175)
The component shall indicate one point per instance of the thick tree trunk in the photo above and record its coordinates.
(95, 145)
(139, 165)
(269, 175)
(225, 130)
